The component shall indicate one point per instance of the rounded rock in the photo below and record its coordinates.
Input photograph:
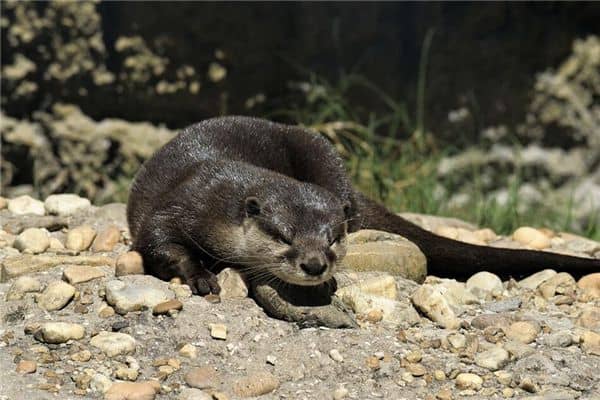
(483, 284)
(26, 205)
(523, 331)
(468, 381)
(130, 263)
(65, 204)
(335, 355)
(255, 385)
(590, 284)
(59, 332)
(26, 367)
(32, 240)
(80, 238)
(202, 378)
(127, 297)
(56, 296)
(340, 393)
(106, 239)
(114, 343)
(492, 359)
(590, 318)
(531, 237)
(133, 391)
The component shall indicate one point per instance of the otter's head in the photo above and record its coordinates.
(299, 235)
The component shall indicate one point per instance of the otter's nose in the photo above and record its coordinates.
(313, 266)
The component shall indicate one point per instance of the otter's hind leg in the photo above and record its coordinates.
(171, 260)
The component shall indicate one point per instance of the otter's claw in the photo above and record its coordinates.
(204, 283)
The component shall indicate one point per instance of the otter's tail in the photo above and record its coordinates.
(455, 259)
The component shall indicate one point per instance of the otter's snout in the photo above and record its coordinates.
(313, 266)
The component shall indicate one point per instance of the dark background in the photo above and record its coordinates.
(483, 56)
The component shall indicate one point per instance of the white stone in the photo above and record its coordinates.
(484, 283)
(468, 381)
(114, 343)
(65, 204)
(134, 297)
(26, 205)
(59, 332)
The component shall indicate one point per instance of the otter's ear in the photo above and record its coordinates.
(252, 205)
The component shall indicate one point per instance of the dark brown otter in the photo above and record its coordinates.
(274, 200)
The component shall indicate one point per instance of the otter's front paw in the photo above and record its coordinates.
(204, 283)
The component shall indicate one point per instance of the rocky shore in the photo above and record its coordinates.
(80, 320)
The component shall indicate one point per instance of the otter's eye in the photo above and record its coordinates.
(284, 240)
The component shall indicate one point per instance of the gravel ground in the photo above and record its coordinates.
(79, 321)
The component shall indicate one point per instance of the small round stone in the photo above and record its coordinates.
(531, 237)
(414, 356)
(590, 284)
(374, 316)
(59, 332)
(32, 241)
(26, 205)
(335, 355)
(590, 318)
(523, 331)
(255, 385)
(56, 296)
(133, 391)
(130, 263)
(483, 284)
(340, 393)
(468, 381)
(114, 343)
(65, 204)
(439, 375)
(106, 239)
(26, 367)
(416, 369)
(80, 238)
(202, 378)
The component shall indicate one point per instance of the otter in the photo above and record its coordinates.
(274, 201)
